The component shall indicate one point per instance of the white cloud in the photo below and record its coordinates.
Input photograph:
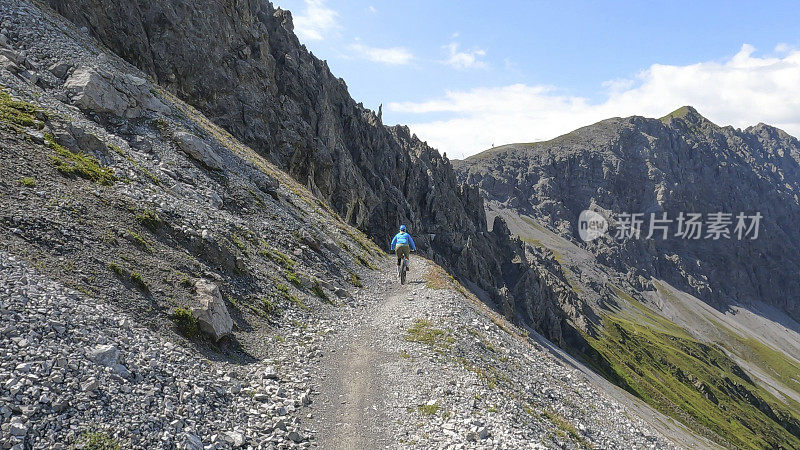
(464, 59)
(372, 9)
(741, 91)
(315, 21)
(392, 56)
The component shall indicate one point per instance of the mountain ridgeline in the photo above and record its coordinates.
(680, 163)
(243, 67)
(705, 330)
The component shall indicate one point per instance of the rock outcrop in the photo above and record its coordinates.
(198, 149)
(212, 314)
(681, 163)
(99, 92)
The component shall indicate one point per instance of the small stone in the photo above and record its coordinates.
(296, 437)
(90, 385)
(270, 373)
(191, 441)
(105, 355)
(59, 69)
(234, 438)
(18, 428)
(60, 405)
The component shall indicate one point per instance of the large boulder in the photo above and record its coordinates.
(98, 91)
(91, 91)
(212, 314)
(198, 149)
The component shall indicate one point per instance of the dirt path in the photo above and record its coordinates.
(463, 380)
(350, 411)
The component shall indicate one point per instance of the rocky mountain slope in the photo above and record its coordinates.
(672, 319)
(163, 284)
(242, 66)
(681, 163)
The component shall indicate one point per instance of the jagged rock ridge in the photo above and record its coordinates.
(242, 66)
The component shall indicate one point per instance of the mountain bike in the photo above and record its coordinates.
(402, 269)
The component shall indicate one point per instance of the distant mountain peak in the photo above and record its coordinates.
(688, 114)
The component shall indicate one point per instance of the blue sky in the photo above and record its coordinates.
(466, 75)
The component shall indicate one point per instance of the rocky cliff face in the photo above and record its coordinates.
(681, 163)
(242, 66)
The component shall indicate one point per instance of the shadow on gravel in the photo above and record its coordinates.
(227, 350)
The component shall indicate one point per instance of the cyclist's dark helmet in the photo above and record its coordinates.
(402, 228)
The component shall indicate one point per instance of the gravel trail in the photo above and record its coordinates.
(351, 409)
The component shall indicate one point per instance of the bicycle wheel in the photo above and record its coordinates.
(403, 271)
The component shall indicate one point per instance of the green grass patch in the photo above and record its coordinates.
(777, 365)
(691, 381)
(149, 219)
(237, 241)
(423, 332)
(114, 267)
(354, 279)
(365, 262)
(269, 306)
(317, 290)
(488, 374)
(17, 113)
(292, 298)
(73, 164)
(292, 277)
(186, 322)
(362, 240)
(139, 240)
(428, 410)
(566, 428)
(27, 182)
(277, 256)
(138, 280)
(436, 278)
(97, 440)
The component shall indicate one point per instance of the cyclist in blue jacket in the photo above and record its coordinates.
(402, 244)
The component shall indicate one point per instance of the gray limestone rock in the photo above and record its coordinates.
(212, 314)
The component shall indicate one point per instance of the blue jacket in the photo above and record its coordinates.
(402, 238)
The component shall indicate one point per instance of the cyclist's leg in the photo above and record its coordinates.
(405, 251)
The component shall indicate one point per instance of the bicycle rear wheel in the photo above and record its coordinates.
(403, 271)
